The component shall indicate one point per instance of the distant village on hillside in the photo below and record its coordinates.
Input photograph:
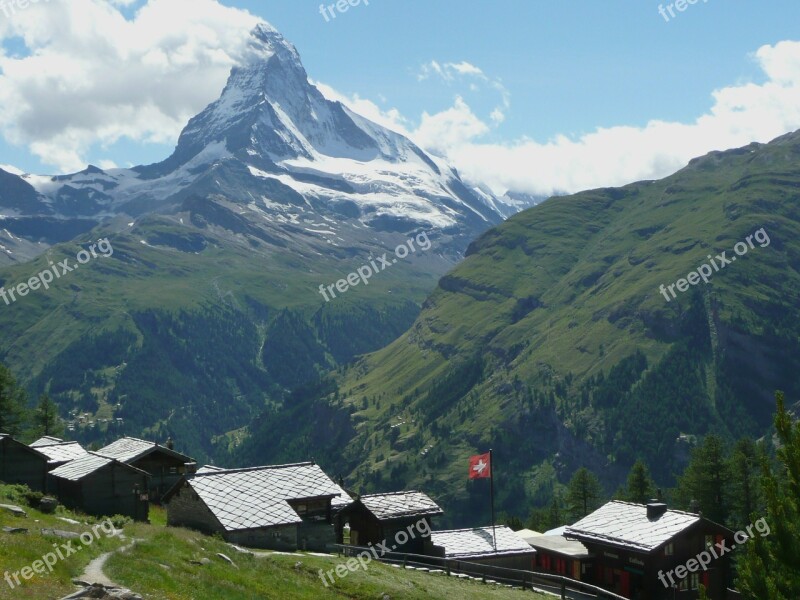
(621, 550)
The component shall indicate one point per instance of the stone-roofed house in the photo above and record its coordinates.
(101, 486)
(165, 466)
(46, 440)
(282, 507)
(478, 546)
(60, 452)
(20, 464)
(375, 518)
(635, 546)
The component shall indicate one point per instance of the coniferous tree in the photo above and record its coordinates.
(745, 483)
(640, 488)
(705, 479)
(45, 418)
(583, 493)
(771, 566)
(12, 403)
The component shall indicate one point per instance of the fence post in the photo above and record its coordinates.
(563, 590)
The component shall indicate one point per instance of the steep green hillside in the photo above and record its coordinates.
(192, 331)
(552, 344)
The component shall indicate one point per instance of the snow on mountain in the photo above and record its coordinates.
(273, 143)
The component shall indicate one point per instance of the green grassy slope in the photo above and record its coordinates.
(160, 566)
(552, 344)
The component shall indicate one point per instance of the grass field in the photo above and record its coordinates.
(177, 564)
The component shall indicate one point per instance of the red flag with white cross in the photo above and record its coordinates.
(480, 466)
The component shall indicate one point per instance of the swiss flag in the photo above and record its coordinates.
(480, 466)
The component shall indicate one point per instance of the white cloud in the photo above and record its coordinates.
(92, 77)
(618, 155)
(451, 73)
(610, 156)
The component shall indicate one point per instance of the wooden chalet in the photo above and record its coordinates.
(376, 518)
(165, 466)
(101, 486)
(633, 544)
(21, 464)
(283, 507)
(478, 546)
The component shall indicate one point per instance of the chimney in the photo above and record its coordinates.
(655, 509)
(170, 443)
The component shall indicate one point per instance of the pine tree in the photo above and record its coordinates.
(745, 485)
(705, 480)
(640, 488)
(45, 418)
(583, 493)
(12, 403)
(771, 566)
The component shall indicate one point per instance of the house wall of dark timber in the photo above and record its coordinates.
(111, 490)
(20, 464)
(366, 528)
(635, 574)
(165, 471)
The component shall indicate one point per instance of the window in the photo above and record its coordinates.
(694, 581)
(669, 550)
(709, 541)
(684, 584)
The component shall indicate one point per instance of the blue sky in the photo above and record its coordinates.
(565, 69)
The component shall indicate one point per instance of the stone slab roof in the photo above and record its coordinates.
(46, 440)
(400, 504)
(259, 497)
(477, 543)
(627, 525)
(87, 465)
(62, 453)
(129, 449)
(558, 545)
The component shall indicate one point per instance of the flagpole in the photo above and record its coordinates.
(491, 493)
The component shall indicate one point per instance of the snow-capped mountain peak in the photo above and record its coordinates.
(274, 144)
